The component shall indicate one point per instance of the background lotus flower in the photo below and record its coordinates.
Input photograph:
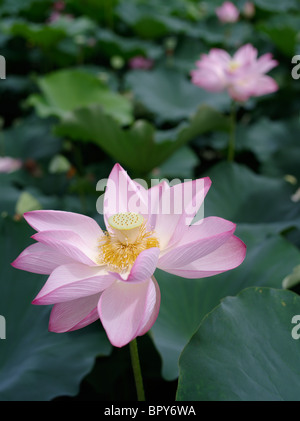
(140, 62)
(249, 9)
(243, 75)
(8, 164)
(110, 275)
(228, 12)
(59, 5)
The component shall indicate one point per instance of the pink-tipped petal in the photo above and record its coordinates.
(211, 70)
(266, 63)
(72, 281)
(253, 85)
(123, 195)
(198, 241)
(49, 220)
(153, 309)
(265, 85)
(227, 257)
(69, 244)
(73, 315)
(143, 268)
(194, 193)
(39, 258)
(246, 54)
(124, 309)
(154, 195)
(211, 80)
(217, 55)
(178, 207)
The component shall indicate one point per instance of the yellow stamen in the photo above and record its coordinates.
(233, 65)
(127, 238)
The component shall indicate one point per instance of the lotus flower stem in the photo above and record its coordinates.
(231, 144)
(137, 370)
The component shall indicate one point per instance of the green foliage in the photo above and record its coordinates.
(238, 354)
(66, 90)
(140, 148)
(155, 91)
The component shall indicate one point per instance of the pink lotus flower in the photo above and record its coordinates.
(109, 275)
(249, 9)
(54, 16)
(8, 164)
(140, 62)
(227, 13)
(242, 75)
(59, 5)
